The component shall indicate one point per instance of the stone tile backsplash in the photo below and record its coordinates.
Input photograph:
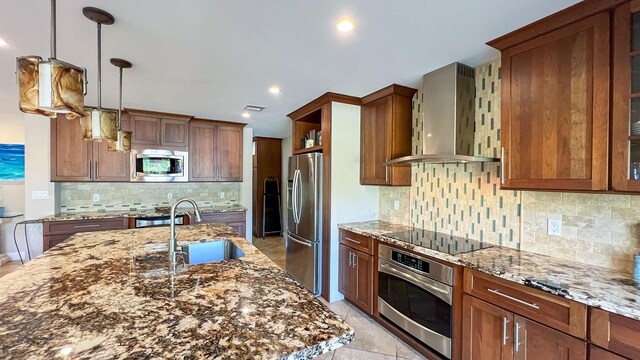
(78, 197)
(466, 200)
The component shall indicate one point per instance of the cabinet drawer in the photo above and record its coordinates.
(615, 333)
(53, 240)
(221, 218)
(76, 226)
(357, 241)
(554, 311)
(596, 353)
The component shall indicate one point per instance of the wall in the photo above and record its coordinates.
(466, 200)
(350, 201)
(287, 149)
(246, 187)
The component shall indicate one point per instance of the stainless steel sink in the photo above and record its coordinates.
(209, 251)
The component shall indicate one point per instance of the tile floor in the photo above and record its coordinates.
(273, 247)
(9, 267)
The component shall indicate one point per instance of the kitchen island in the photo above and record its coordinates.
(109, 294)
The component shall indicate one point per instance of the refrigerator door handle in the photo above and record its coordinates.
(299, 194)
(300, 242)
(294, 201)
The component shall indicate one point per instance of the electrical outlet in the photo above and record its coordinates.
(169, 195)
(396, 205)
(554, 227)
(96, 197)
(40, 195)
(222, 195)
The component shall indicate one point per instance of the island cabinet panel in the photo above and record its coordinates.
(555, 108)
(55, 232)
(356, 273)
(616, 333)
(71, 157)
(235, 219)
(486, 331)
(385, 134)
(215, 151)
(554, 311)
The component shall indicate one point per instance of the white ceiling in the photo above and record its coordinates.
(209, 58)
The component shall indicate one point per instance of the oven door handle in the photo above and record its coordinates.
(438, 290)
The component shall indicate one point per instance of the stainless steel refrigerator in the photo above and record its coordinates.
(304, 225)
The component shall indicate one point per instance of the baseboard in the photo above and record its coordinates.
(14, 256)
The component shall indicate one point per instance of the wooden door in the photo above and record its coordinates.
(532, 340)
(625, 149)
(346, 274)
(374, 141)
(229, 153)
(146, 130)
(71, 157)
(175, 132)
(363, 291)
(486, 332)
(202, 151)
(555, 106)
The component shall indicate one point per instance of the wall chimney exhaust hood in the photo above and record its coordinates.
(448, 118)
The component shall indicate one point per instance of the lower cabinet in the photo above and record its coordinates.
(55, 232)
(615, 333)
(490, 332)
(236, 220)
(355, 280)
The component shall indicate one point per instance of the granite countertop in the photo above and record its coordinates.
(89, 215)
(595, 286)
(107, 295)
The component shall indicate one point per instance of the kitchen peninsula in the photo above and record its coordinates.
(109, 294)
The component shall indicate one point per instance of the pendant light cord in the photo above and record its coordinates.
(99, 65)
(53, 29)
(120, 106)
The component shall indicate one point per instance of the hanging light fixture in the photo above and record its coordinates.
(51, 87)
(98, 123)
(123, 143)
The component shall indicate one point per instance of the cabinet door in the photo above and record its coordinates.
(202, 152)
(174, 132)
(146, 130)
(111, 166)
(555, 106)
(486, 330)
(375, 128)
(625, 169)
(615, 333)
(346, 278)
(229, 153)
(71, 157)
(535, 341)
(363, 291)
(239, 227)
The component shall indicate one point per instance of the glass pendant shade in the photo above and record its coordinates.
(50, 87)
(100, 124)
(123, 144)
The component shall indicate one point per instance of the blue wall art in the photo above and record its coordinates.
(11, 162)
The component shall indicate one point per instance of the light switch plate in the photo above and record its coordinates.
(169, 195)
(40, 195)
(396, 205)
(554, 227)
(96, 197)
(222, 195)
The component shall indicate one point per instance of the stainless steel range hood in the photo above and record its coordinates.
(448, 118)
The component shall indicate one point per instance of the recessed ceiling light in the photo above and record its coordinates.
(246, 115)
(3, 43)
(274, 90)
(345, 25)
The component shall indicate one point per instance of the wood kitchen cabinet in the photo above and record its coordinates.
(152, 129)
(215, 151)
(73, 159)
(55, 232)
(356, 270)
(616, 333)
(555, 106)
(385, 134)
(235, 219)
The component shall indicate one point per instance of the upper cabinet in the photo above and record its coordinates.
(215, 151)
(159, 130)
(385, 134)
(625, 152)
(555, 107)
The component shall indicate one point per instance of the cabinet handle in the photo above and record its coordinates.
(504, 330)
(535, 306)
(350, 258)
(355, 260)
(95, 170)
(87, 226)
(517, 339)
(352, 240)
(386, 170)
(502, 166)
(90, 169)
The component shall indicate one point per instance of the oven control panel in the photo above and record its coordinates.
(410, 261)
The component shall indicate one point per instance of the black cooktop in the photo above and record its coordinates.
(449, 244)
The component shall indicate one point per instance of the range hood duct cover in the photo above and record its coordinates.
(448, 118)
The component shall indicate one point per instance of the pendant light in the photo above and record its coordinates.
(99, 123)
(51, 87)
(123, 143)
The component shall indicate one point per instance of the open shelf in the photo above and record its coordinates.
(317, 148)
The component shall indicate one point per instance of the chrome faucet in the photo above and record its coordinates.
(173, 240)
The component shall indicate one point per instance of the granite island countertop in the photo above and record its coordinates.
(106, 295)
(610, 290)
(91, 215)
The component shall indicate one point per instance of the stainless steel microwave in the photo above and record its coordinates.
(159, 165)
